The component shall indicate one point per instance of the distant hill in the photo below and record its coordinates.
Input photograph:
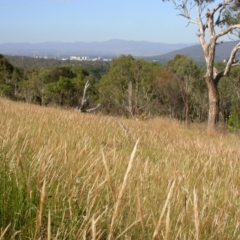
(160, 52)
(196, 53)
(108, 48)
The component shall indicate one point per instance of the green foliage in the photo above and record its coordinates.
(60, 89)
(184, 66)
(6, 75)
(231, 16)
(229, 90)
(79, 72)
(27, 89)
(96, 69)
(6, 70)
(18, 200)
(61, 86)
(128, 86)
(55, 73)
(234, 121)
(187, 89)
(5, 90)
(230, 93)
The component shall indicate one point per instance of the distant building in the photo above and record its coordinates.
(85, 58)
(44, 57)
(75, 58)
(97, 59)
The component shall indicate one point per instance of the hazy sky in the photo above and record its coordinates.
(93, 20)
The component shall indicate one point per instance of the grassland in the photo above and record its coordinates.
(67, 175)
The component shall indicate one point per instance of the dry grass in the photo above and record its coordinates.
(66, 175)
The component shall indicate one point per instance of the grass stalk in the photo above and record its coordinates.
(41, 207)
(93, 229)
(129, 227)
(49, 226)
(121, 191)
(4, 231)
(140, 211)
(196, 213)
(91, 194)
(156, 231)
(167, 222)
(110, 183)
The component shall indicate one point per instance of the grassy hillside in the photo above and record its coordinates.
(66, 175)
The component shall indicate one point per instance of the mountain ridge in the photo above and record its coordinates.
(195, 52)
(112, 47)
(151, 51)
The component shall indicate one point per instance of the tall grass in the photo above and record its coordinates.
(66, 175)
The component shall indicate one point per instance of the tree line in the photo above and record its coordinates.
(128, 87)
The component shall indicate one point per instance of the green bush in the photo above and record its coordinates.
(234, 121)
(5, 90)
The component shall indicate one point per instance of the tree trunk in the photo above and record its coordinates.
(213, 97)
(186, 111)
(61, 101)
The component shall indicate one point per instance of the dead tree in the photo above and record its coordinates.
(84, 103)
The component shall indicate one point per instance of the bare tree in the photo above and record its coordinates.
(209, 33)
(84, 100)
(84, 105)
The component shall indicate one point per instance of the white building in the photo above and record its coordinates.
(75, 58)
(85, 58)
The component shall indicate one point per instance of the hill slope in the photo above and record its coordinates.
(79, 176)
(195, 52)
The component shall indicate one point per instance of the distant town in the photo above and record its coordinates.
(76, 58)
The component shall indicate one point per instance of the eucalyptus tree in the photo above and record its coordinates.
(229, 91)
(187, 74)
(214, 21)
(6, 70)
(128, 87)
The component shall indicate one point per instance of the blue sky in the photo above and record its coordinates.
(36, 21)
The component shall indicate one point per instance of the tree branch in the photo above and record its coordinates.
(227, 30)
(231, 59)
(202, 29)
(84, 100)
(93, 109)
(184, 11)
(189, 19)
